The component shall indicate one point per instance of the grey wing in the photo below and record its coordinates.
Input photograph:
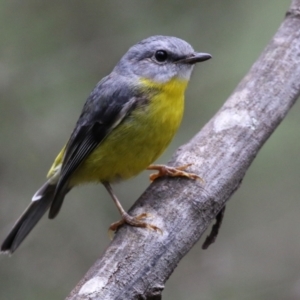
(92, 128)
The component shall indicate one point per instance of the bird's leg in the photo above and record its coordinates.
(126, 218)
(164, 170)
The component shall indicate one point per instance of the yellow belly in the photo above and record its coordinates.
(138, 141)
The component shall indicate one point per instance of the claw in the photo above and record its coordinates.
(172, 172)
(133, 221)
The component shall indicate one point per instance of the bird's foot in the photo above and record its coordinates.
(164, 170)
(133, 221)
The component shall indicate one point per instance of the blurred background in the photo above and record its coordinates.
(52, 53)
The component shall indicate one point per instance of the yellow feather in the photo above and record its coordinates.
(138, 141)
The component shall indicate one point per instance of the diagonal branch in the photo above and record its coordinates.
(138, 262)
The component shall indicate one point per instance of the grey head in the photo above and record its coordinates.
(160, 58)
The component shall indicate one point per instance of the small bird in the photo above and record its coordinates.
(126, 123)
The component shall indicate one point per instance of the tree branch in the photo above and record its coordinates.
(138, 262)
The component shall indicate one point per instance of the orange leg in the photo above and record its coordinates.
(164, 170)
(126, 218)
(133, 221)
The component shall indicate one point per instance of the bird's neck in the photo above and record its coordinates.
(173, 88)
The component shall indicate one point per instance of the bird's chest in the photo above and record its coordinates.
(161, 117)
(140, 139)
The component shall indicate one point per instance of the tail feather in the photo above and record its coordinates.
(30, 217)
(57, 202)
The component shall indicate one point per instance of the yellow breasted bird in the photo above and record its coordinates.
(126, 123)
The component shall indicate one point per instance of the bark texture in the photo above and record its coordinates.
(138, 262)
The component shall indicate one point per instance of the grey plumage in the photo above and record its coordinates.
(110, 103)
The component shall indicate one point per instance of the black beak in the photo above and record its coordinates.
(194, 58)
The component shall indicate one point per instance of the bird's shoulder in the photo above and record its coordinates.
(108, 97)
(113, 97)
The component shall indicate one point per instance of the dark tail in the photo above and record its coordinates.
(34, 212)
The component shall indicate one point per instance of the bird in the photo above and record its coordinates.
(126, 123)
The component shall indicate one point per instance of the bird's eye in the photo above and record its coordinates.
(161, 55)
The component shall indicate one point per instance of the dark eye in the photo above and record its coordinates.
(161, 55)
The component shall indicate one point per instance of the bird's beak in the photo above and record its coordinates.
(194, 58)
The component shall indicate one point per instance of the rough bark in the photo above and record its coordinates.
(138, 262)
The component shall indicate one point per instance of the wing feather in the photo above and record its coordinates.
(85, 139)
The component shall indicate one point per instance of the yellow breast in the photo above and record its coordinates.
(139, 140)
